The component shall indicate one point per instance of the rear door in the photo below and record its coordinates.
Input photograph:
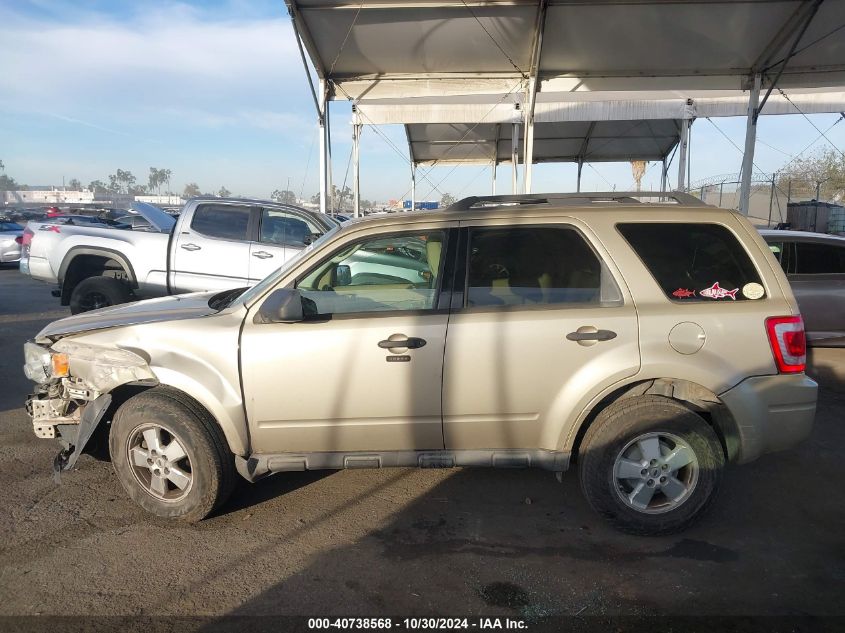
(213, 252)
(282, 233)
(817, 275)
(541, 326)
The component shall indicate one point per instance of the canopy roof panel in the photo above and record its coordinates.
(568, 141)
(382, 48)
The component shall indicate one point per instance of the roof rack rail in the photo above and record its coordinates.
(620, 197)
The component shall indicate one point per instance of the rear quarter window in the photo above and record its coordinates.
(695, 262)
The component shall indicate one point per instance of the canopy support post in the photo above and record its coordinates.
(413, 186)
(321, 122)
(580, 166)
(683, 147)
(664, 174)
(356, 173)
(528, 156)
(515, 158)
(493, 179)
(750, 142)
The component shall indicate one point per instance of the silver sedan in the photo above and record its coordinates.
(11, 235)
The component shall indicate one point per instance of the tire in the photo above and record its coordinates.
(98, 292)
(650, 465)
(154, 476)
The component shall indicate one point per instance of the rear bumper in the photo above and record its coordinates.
(772, 413)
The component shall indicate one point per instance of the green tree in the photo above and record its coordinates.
(121, 181)
(315, 199)
(98, 186)
(224, 193)
(192, 190)
(447, 200)
(825, 170)
(7, 183)
(286, 196)
(74, 185)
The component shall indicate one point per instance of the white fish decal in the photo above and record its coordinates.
(716, 292)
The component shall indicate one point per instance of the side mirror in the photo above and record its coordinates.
(341, 276)
(282, 306)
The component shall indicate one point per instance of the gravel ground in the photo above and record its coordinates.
(404, 541)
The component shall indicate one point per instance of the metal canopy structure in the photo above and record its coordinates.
(566, 141)
(383, 49)
(573, 127)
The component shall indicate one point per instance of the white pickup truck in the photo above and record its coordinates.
(215, 244)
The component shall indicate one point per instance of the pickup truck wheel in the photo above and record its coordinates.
(98, 292)
(170, 457)
(650, 465)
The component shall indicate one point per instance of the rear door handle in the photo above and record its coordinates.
(589, 333)
(405, 342)
(262, 254)
(191, 247)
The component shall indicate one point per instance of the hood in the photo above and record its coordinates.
(155, 216)
(175, 308)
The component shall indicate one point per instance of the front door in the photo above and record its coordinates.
(542, 327)
(365, 373)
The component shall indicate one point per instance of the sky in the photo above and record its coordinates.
(216, 92)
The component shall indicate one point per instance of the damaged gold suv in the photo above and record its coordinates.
(647, 342)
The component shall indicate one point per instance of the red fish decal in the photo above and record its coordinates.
(715, 292)
(683, 293)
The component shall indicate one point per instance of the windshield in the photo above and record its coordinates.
(270, 280)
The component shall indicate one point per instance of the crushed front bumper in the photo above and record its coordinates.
(69, 414)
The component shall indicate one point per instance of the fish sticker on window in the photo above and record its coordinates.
(683, 293)
(716, 292)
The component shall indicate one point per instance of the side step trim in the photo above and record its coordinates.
(257, 466)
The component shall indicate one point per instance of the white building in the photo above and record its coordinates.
(46, 196)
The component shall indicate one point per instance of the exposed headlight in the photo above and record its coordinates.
(38, 366)
(103, 368)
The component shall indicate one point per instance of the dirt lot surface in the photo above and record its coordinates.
(404, 542)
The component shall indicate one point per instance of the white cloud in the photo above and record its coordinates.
(171, 55)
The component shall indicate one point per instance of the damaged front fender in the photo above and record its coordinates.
(104, 368)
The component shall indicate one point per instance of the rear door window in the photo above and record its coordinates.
(524, 266)
(695, 262)
(819, 259)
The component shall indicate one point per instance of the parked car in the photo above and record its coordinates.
(214, 244)
(11, 236)
(137, 221)
(815, 266)
(646, 344)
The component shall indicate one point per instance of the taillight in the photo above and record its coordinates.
(26, 238)
(789, 343)
(19, 239)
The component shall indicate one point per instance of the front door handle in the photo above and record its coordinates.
(262, 254)
(589, 335)
(191, 247)
(401, 342)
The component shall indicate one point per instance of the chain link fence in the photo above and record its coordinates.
(770, 194)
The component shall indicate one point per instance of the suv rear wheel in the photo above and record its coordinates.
(170, 456)
(650, 465)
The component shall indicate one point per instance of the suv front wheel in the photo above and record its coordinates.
(650, 465)
(170, 456)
